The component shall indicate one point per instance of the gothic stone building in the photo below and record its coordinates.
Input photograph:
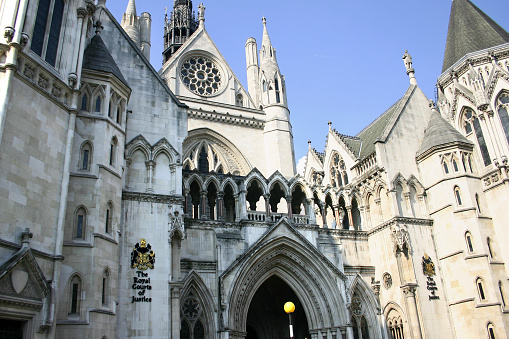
(133, 205)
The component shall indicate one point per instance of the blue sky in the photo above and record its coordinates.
(342, 60)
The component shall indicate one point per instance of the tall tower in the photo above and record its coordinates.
(181, 24)
(279, 149)
(130, 22)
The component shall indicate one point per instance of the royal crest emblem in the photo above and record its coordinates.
(142, 256)
(428, 267)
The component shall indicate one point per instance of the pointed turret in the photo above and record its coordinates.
(130, 22)
(470, 30)
(179, 27)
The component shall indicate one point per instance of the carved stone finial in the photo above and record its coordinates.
(264, 21)
(26, 235)
(407, 59)
(176, 226)
(329, 123)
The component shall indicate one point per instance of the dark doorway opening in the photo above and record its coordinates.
(11, 329)
(266, 317)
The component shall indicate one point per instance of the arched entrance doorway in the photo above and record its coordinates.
(266, 318)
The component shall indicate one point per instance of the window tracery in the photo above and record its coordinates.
(192, 318)
(503, 112)
(338, 175)
(46, 35)
(201, 75)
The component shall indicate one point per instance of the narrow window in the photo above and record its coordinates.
(109, 217)
(446, 168)
(85, 159)
(276, 86)
(119, 115)
(470, 245)
(107, 227)
(84, 103)
(74, 297)
(491, 331)
(109, 110)
(86, 156)
(46, 35)
(239, 100)
(264, 86)
(480, 289)
(477, 203)
(203, 162)
(103, 295)
(490, 250)
(503, 109)
(105, 287)
(458, 195)
(80, 223)
(501, 290)
(463, 162)
(455, 165)
(74, 301)
(98, 105)
(113, 151)
(79, 231)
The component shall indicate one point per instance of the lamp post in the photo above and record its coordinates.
(290, 308)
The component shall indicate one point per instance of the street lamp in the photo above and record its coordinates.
(290, 308)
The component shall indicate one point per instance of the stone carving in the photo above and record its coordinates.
(8, 33)
(43, 81)
(19, 279)
(356, 306)
(176, 225)
(407, 59)
(29, 71)
(428, 267)
(387, 279)
(400, 237)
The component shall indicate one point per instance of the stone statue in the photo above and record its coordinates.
(201, 12)
(407, 59)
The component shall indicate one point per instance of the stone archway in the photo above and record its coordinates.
(284, 253)
(266, 318)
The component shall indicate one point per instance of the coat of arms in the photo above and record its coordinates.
(428, 268)
(142, 256)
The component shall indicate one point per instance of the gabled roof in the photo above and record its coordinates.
(98, 58)
(382, 126)
(440, 133)
(470, 30)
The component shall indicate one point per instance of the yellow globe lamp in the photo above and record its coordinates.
(289, 307)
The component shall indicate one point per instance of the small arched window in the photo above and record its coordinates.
(113, 151)
(85, 156)
(98, 104)
(501, 290)
(84, 102)
(480, 289)
(105, 295)
(470, 243)
(490, 249)
(75, 295)
(109, 217)
(80, 223)
(491, 331)
(457, 194)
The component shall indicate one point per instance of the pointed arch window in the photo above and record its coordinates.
(46, 34)
(470, 244)
(239, 100)
(113, 151)
(80, 223)
(457, 194)
(455, 165)
(276, 87)
(490, 249)
(478, 204)
(119, 115)
(85, 156)
(74, 295)
(491, 331)
(471, 122)
(264, 86)
(98, 104)
(446, 168)
(503, 112)
(109, 110)
(84, 102)
(480, 289)
(501, 290)
(108, 218)
(203, 162)
(192, 321)
(105, 288)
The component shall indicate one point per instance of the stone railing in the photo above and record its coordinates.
(256, 216)
(366, 164)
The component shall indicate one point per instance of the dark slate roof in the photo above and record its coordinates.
(98, 58)
(353, 143)
(470, 30)
(440, 133)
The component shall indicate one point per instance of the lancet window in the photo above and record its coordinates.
(192, 326)
(46, 35)
(471, 124)
(503, 112)
(338, 175)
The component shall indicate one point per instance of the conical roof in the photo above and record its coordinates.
(131, 8)
(440, 133)
(470, 30)
(98, 58)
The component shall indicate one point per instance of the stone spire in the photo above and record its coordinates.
(407, 59)
(130, 22)
(470, 30)
(268, 61)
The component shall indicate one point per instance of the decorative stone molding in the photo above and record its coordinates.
(153, 198)
(9, 33)
(176, 226)
(227, 119)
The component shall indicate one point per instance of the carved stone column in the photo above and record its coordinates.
(289, 203)
(350, 218)
(267, 205)
(173, 178)
(150, 171)
(337, 217)
(220, 205)
(186, 204)
(203, 204)
(413, 311)
(311, 211)
(491, 144)
(240, 203)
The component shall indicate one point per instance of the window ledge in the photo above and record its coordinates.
(465, 209)
(72, 322)
(77, 244)
(486, 304)
(84, 174)
(475, 256)
(103, 311)
(105, 237)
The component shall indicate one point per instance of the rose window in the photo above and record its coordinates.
(201, 75)
(191, 308)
